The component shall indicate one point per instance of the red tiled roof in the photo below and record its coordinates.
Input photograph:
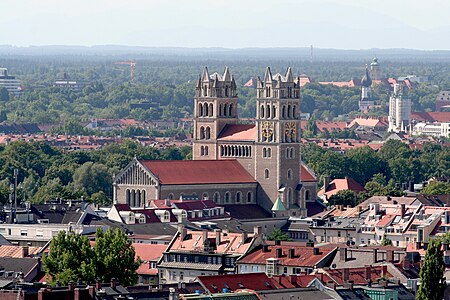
(233, 282)
(198, 171)
(238, 132)
(17, 251)
(350, 83)
(431, 116)
(385, 220)
(294, 281)
(358, 275)
(307, 175)
(148, 252)
(303, 256)
(341, 184)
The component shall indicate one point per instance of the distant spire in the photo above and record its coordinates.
(227, 74)
(289, 77)
(366, 81)
(205, 75)
(268, 75)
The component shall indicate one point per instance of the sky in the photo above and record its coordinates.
(340, 24)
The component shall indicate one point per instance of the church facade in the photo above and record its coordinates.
(267, 151)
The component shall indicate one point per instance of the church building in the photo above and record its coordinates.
(233, 162)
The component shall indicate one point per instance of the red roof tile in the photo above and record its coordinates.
(386, 220)
(431, 116)
(238, 132)
(198, 171)
(358, 275)
(307, 175)
(341, 184)
(233, 282)
(303, 256)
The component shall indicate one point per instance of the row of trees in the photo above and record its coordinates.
(47, 173)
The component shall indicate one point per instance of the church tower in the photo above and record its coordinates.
(375, 71)
(277, 150)
(215, 105)
(366, 102)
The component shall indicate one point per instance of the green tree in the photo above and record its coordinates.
(432, 280)
(386, 241)
(278, 235)
(100, 198)
(4, 94)
(92, 177)
(345, 197)
(69, 259)
(114, 257)
(437, 188)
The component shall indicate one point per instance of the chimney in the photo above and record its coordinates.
(243, 237)
(278, 252)
(375, 255)
(346, 274)
(368, 272)
(390, 255)
(113, 283)
(343, 254)
(291, 253)
(326, 182)
(403, 210)
(25, 251)
(98, 284)
(411, 186)
(218, 235)
(384, 271)
(183, 231)
(77, 294)
(204, 235)
(316, 251)
(257, 230)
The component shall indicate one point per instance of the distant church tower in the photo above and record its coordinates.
(277, 149)
(399, 110)
(375, 71)
(215, 105)
(366, 102)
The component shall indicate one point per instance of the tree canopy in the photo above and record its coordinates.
(432, 280)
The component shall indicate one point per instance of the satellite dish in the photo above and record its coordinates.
(333, 266)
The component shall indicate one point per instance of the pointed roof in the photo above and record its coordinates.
(227, 74)
(205, 75)
(289, 77)
(268, 75)
(259, 82)
(366, 81)
(199, 82)
(278, 205)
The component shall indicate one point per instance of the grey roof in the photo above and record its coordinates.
(355, 293)
(24, 265)
(299, 293)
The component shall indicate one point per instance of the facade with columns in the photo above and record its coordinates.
(263, 159)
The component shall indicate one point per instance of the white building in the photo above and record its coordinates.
(399, 111)
(431, 129)
(9, 82)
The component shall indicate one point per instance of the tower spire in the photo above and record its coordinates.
(268, 75)
(205, 75)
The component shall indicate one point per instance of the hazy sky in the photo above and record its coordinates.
(348, 24)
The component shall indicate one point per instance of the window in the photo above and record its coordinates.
(170, 196)
(289, 174)
(23, 232)
(216, 197)
(238, 197)
(249, 197)
(181, 276)
(227, 197)
(266, 174)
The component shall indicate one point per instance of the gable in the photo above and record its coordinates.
(136, 174)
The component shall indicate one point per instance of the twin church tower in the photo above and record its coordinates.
(269, 149)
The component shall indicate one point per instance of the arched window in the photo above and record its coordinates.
(289, 111)
(249, 197)
(227, 197)
(222, 150)
(262, 111)
(208, 133)
(216, 197)
(220, 109)
(292, 153)
(202, 133)
(205, 91)
(200, 109)
(143, 198)
(294, 112)
(225, 109)
(206, 151)
(274, 111)
(226, 91)
(266, 174)
(230, 110)
(133, 198)
(211, 110)
(269, 152)
(289, 174)
(170, 196)
(128, 194)
(268, 111)
(307, 195)
(264, 152)
(202, 150)
(238, 197)
(283, 111)
(205, 196)
(289, 196)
